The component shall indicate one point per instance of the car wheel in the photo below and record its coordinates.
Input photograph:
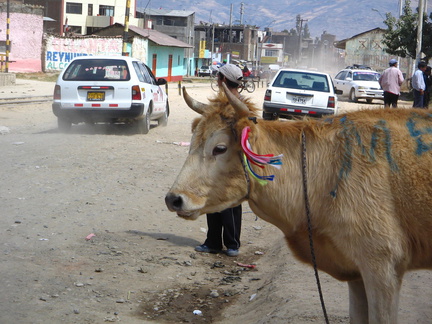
(142, 125)
(64, 125)
(352, 96)
(163, 121)
(369, 101)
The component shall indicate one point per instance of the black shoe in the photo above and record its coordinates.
(205, 249)
(232, 252)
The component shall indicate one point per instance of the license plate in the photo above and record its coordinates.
(96, 96)
(299, 100)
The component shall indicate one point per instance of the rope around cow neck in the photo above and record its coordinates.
(308, 216)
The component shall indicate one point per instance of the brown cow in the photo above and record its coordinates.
(369, 187)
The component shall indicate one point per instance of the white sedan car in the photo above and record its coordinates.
(114, 89)
(298, 93)
(359, 84)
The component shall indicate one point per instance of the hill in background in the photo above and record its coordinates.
(343, 18)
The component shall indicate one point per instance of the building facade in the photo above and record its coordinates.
(71, 17)
(367, 48)
(178, 24)
(231, 42)
(25, 39)
(162, 53)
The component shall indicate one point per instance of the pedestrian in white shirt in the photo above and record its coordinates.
(391, 80)
(419, 85)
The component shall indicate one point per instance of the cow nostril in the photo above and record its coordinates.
(174, 202)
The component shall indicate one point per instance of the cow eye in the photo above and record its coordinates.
(219, 149)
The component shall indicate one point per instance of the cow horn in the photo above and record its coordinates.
(235, 102)
(195, 105)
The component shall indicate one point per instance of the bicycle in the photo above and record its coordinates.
(247, 84)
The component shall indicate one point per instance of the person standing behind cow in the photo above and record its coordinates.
(226, 225)
(419, 85)
(391, 80)
(428, 83)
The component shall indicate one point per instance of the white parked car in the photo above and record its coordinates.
(113, 89)
(359, 82)
(204, 70)
(299, 92)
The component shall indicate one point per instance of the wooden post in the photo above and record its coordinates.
(7, 36)
(126, 29)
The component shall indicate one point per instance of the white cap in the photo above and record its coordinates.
(232, 73)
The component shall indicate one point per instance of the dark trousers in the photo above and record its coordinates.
(418, 99)
(390, 99)
(225, 225)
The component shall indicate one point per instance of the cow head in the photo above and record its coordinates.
(213, 178)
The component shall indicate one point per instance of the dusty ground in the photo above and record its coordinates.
(140, 267)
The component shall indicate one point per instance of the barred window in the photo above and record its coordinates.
(106, 10)
(74, 8)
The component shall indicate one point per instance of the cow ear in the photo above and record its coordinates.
(195, 105)
(236, 103)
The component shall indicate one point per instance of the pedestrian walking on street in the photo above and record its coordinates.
(391, 80)
(419, 85)
(428, 83)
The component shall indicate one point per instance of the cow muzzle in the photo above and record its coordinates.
(176, 203)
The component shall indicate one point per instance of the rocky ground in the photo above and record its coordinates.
(87, 238)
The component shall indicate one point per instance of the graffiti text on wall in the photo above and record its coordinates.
(59, 60)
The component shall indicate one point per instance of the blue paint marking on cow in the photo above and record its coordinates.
(349, 133)
(382, 126)
(416, 132)
(347, 155)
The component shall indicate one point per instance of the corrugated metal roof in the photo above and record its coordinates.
(167, 12)
(158, 37)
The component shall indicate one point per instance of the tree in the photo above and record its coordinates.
(306, 32)
(400, 38)
(298, 24)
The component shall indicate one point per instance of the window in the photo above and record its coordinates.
(3, 46)
(273, 53)
(106, 10)
(74, 8)
(341, 75)
(97, 70)
(171, 21)
(302, 80)
(90, 9)
(75, 29)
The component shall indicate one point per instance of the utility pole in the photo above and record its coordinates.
(419, 33)
(126, 29)
(212, 44)
(230, 24)
(7, 35)
(300, 37)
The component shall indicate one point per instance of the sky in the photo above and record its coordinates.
(343, 18)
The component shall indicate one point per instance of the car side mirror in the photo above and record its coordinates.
(161, 81)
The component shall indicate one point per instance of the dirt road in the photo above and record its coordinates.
(140, 266)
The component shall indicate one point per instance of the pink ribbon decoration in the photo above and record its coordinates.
(258, 159)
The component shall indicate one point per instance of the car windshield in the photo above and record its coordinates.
(204, 67)
(97, 70)
(366, 76)
(302, 80)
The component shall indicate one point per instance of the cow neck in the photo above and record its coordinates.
(309, 222)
